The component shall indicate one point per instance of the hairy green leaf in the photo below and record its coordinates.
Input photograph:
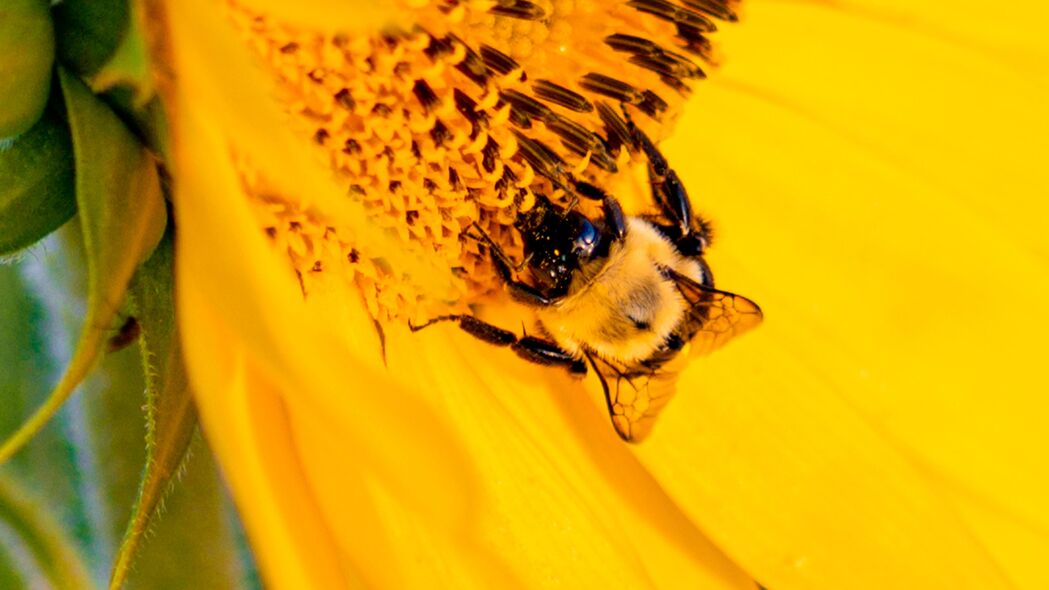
(170, 416)
(196, 526)
(122, 216)
(105, 422)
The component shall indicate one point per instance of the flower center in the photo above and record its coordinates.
(464, 118)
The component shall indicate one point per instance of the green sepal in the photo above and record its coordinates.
(88, 32)
(53, 554)
(105, 42)
(27, 52)
(36, 184)
(171, 418)
(122, 216)
(129, 64)
(195, 526)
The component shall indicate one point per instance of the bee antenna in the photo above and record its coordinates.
(481, 235)
(524, 263)
(567, 182)
(480, 230)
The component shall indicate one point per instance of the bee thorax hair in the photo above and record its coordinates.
(626, 309)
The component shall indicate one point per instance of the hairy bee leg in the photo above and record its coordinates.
(477, 328)
(614, 217)
(519, 291)
(668, 192)
(544, 352)
(529, 348)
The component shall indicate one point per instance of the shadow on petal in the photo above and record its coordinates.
(563, 498)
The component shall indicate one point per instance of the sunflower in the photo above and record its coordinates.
(870, 169)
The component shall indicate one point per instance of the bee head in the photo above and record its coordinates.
(560, 243)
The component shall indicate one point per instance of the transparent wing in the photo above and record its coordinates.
(715, 317)
(636, 394)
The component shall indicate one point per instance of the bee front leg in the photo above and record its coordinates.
(529, 348)
(519, 291)
(669, 194)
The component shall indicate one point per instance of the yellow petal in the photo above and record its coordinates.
(798, 489)
(563, 502)
(538, 518)
(877, 187)
(247, 426)
(544, 513)
(808, 453)
(1013, 37)
(335, 16)
(237, 300)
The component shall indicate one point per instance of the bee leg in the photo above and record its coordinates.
(544, 352)
(477, 328)
(669, 194)
(614, 218)
(529, 348)
(519, 291)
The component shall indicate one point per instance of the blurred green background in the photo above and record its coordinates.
(66, 498)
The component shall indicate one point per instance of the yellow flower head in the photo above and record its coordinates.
(459, 120)
(328, 165)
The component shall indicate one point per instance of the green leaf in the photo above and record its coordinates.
(105, 422)
(89, 32)
(36, 184)
(171, 418)
(27, 51)
(53, 554)
(122, 216)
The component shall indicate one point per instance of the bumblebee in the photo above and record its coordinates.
(629, 297)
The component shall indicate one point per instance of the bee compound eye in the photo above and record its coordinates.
(586, 238)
